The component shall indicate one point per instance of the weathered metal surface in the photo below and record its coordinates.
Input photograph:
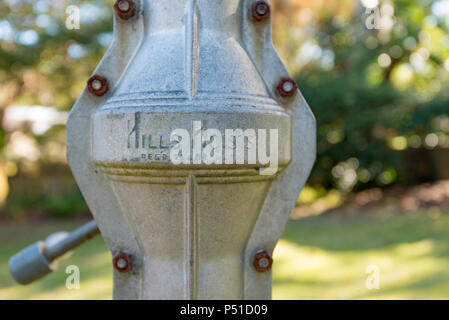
(39, 259)
(193, 229)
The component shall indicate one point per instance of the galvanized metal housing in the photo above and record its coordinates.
(192, 230)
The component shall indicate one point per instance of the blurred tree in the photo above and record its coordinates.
(44, 62)
(375, 72)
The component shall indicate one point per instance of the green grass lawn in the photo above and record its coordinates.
(321, 257)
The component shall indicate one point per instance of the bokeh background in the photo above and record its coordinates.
(378, 196)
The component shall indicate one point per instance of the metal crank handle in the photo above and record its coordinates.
(39, 259)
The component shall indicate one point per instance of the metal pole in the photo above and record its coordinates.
(73, 240)
(39, 259)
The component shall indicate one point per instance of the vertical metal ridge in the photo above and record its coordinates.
(191, 241)
(192, 49)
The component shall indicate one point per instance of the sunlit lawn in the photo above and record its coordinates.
(322, 257)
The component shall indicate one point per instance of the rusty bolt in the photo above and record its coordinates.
(287, 87)
(262, 261)
(260, 10)
(125, 9)
(98, 85)
(122, 262)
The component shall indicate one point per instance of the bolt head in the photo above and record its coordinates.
(123, 6)
(287, 87)
(262, 261)
(122, 262)
(125, 9)
(260, 10)
(98, 85)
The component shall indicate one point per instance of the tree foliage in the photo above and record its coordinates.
(375, 92)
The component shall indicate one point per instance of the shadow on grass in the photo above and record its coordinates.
(334, 232)
(326, 257)
(322, 257)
